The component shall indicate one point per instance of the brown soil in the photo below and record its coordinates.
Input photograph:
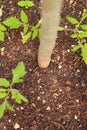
(57, 95)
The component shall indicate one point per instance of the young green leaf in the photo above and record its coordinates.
(24, 99)
(25, 29)
(35, 33)
(4, 82)
(18, 73)
(82, 34)
(61, 28)
(3, 90)
(38, 24)
(72, 20)
(13, 94)
(2, 27)
(84, 27)
(1, 36)
(2, 109)
(24, 17)
(75, 48)
(84, 53)
(21, 3)
(84, 16)
(18, 97)
(26, 3)
(73, 35)
(21, 98)
(12, 22)
(18, 100)
(26, 37)
(8, 106)
(29, 4)
(3, 95)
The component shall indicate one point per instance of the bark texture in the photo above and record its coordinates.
(51, 10)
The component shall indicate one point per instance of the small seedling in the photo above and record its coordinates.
(7, 91)
(80, 33)
(14, 23)
(26, 3)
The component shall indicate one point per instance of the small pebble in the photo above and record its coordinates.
(16, 126)
(68, 82)
(5, 128)
(43, 101)
(9, 120)
(55, 95)
(78, 71)
(21, 108)
(38, 98)
(59, 66)
(75, 117)
(77, 101)
(60, 106)
(60, 90)
(33, 104)
(48, 108)
(68, 50)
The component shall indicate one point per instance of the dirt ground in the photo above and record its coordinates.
(57, 95)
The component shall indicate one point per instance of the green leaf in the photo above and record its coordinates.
(1, 36)
(8, 106)
(2, 109)
(21, 3)
(4, 82)
(22, 98)
(3, 90)
(84, 15)
(29, 3)
(38, 24)
(84, 27)
(18, 73)
(73, 35)
(61, 28)
(84, 53)
(35, 33)
(3, 95)
(13, 94)
(12, 22)
(26, 37)
(25, 29)
(18, 100)
(26, 3)
(82, 34)
(2, 27)
(72, 20)
(18, 97)
(75, 48)
(24, 17)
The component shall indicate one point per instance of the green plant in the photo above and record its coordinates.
(2, 32)
(26, 3)
(7, 91)
(14, 23)
(80, 33)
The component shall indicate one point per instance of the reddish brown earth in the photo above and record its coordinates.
(57, 95)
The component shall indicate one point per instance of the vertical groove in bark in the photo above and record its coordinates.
(51, 10)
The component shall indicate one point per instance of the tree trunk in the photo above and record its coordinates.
(51, 10)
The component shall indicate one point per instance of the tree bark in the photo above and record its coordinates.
(51, 10)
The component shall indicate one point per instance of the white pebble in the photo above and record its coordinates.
(59, 66)
(48, 108)
(75, 117)
(16, 126)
